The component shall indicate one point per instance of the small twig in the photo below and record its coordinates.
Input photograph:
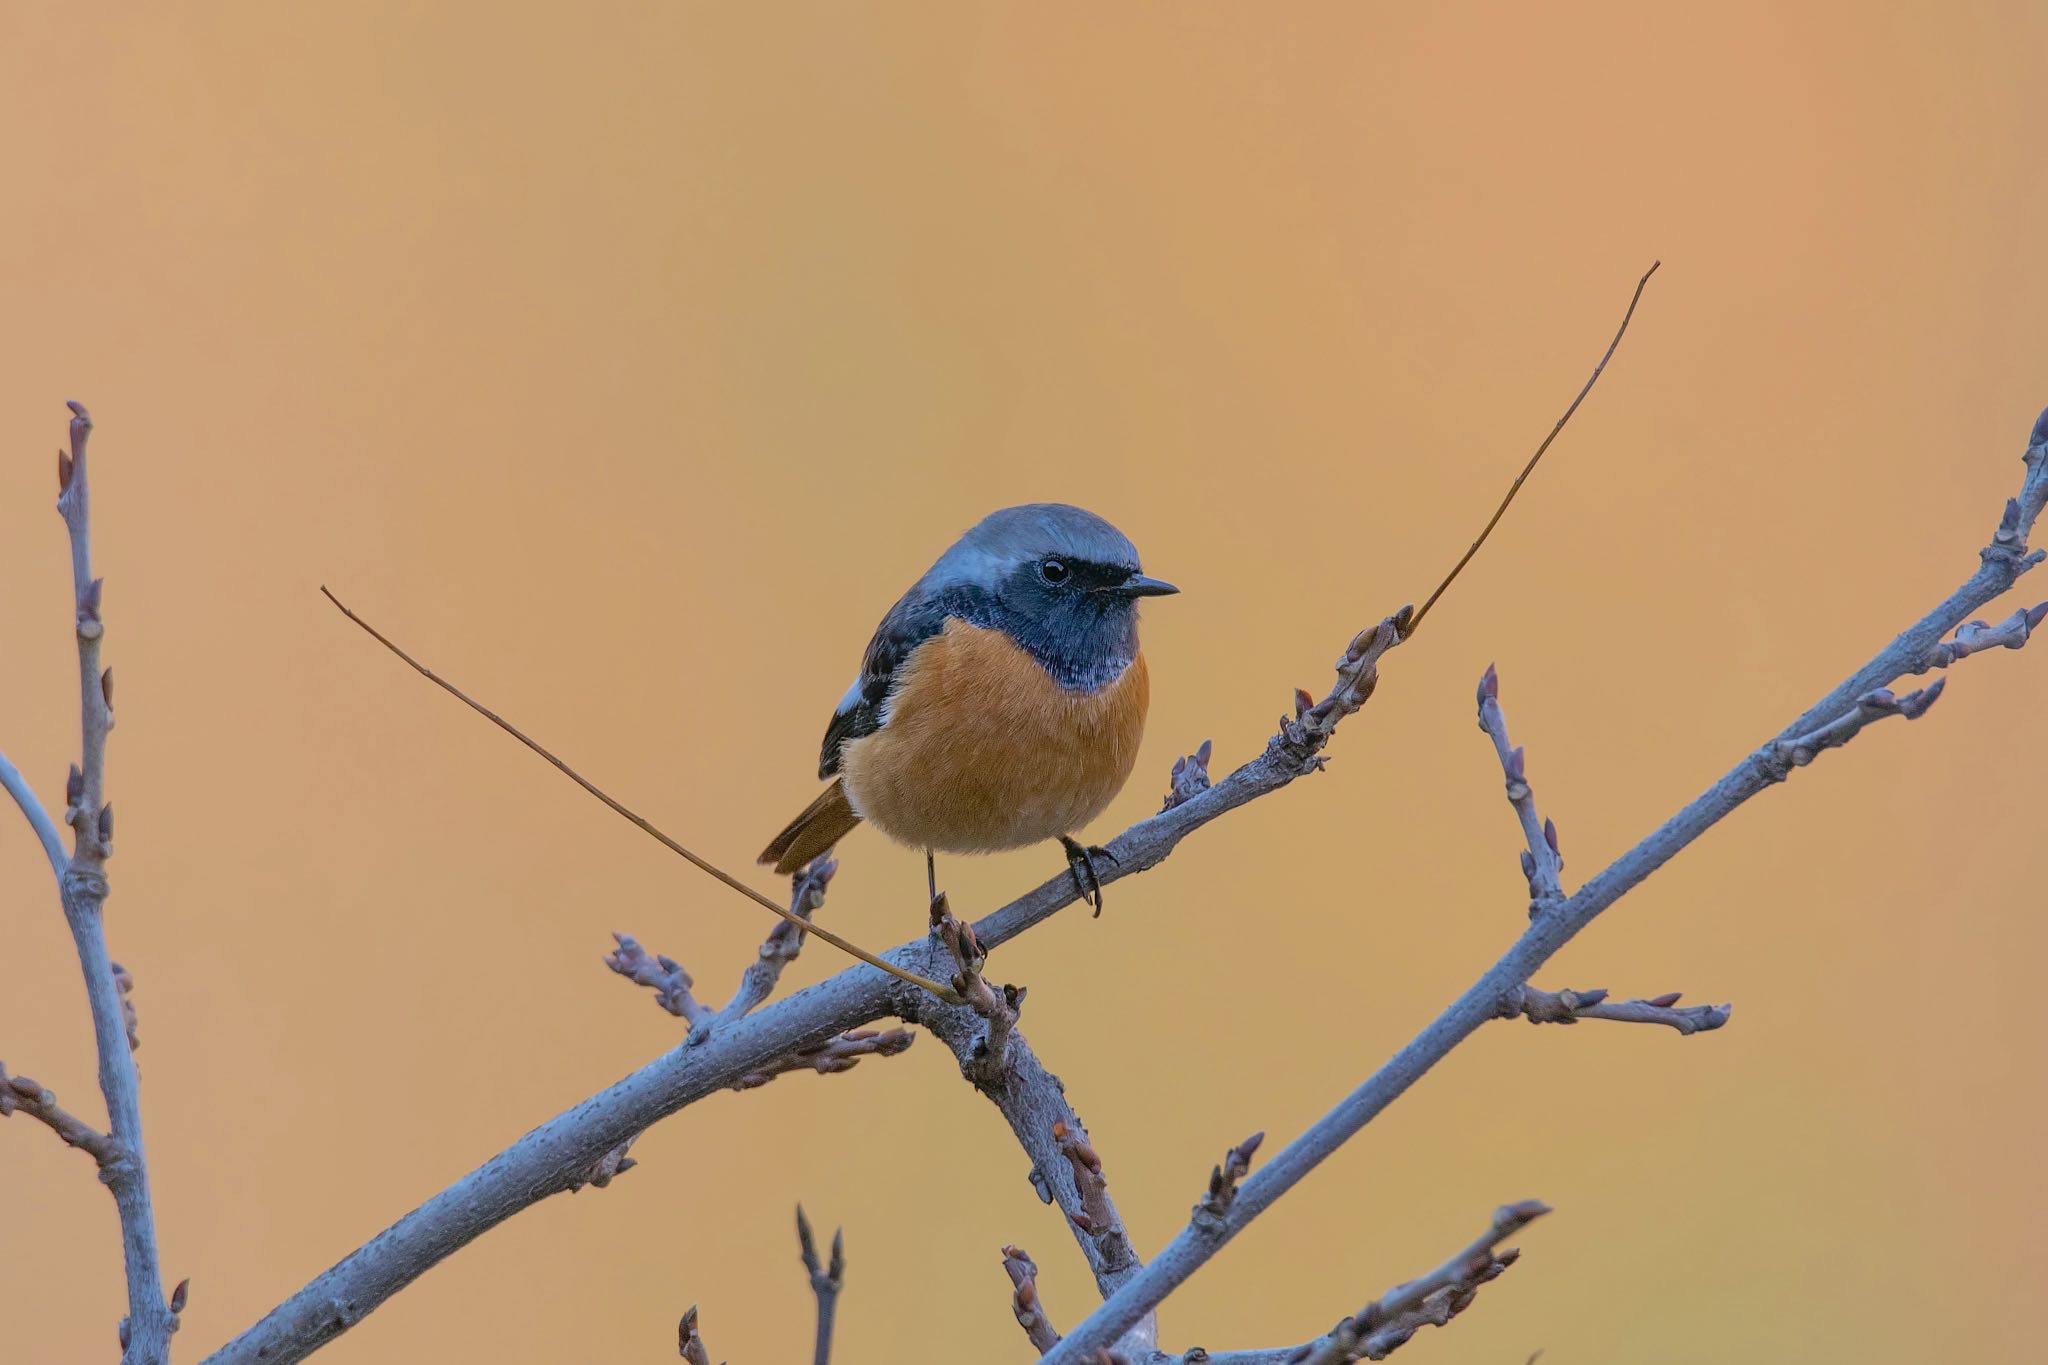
(842, 1052)
(1570, 1006)
(1530, 467)
(785, 940)
(1779, 757)
(1376, 1330)
(1190, 777)
(998, 1009)
(1973, 637)
(689, 1345)
(826, 1282)
(1542, 861)
(31, 1098)
(661, 974)
(1236, 1165)
(1024, 1300)
(632, 817)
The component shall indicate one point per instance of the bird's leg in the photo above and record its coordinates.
(931, 875)
(1081, 867)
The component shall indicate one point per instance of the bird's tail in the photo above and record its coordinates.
(824, 823)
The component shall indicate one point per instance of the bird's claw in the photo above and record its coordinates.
(1081, 867)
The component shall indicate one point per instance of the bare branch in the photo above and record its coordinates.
(1569, 1006)
(826, 1282)
(549, 1158)
(1237, 1164)
(1065, 1168)
(1024, 1301)
(1190, 777)
(671, 985)
(1839, 715)
(785, 940)
(38, 818)
(1387, 1323)
(82, 889)
(1975, 636)
(31, 1098)
(836, 1054)
(1542, 861)
(689, 1345)
(661, 974)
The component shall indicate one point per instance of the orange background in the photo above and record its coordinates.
(627, 364)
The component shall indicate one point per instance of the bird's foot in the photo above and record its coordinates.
(1081, 867)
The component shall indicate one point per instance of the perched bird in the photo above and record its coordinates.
(1000, 703)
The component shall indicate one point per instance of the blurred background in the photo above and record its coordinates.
(627, 364)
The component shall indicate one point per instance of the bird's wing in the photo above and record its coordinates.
(909, 624)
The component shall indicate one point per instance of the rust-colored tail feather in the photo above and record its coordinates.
(824, 823)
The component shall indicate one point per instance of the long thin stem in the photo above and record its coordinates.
(639, 821)
(1530, 467)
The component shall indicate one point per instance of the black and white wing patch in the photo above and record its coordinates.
(859, 713)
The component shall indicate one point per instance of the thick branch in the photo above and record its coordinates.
(1852, 704)
(549, 1158)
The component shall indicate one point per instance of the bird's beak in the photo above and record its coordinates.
(1138, 585)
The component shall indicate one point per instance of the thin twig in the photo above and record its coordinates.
(785, 940)
(1843, 712)
(689, 1343)
(1530, 467)
(632, 817)
(1386, 1324)
(19, 1093)
(1543, 860)
(39, 819)
(1024, 1300)
(826, 1282)
(1570, 1006)
(82, 888)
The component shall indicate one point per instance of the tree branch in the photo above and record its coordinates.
(1065, 1168)
(552, 1157)
(826, 1282)
(1542, 861)
(82, 889)
(1024, 1301)
(1375, 1331)
(672, 985)
(689, 1345)
(31, 1098)
(1842, 713)
(1569, 1006)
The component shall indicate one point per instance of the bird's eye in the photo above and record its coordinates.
(1053, 572)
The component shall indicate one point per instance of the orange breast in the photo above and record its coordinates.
(984, 751)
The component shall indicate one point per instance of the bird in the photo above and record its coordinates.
(1000, 702)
